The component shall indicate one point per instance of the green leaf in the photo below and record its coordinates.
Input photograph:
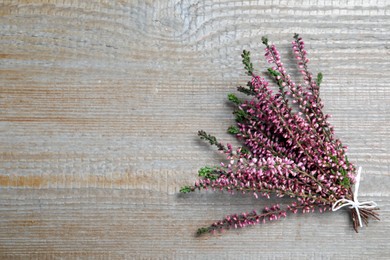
(208, 173)
(334, 159)
(264, 40)
(204, 171)
(233, 98)
(233, 130)
(246, 91)
(346, 161)
(319, 79)
(273, 72)
(240, 115)
(244, 150)
(212, 139)
(246, 60)
(186, 189)
(280, 82)
(202, 231)
(345, 181)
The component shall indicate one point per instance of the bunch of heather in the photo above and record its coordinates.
(288, 148)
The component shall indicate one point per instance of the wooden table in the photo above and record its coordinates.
(100, 102)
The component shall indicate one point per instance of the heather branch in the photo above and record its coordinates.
(303, 62)
(283, 80)
(247, 62)
(314, 86)
(317, 199)
(316, 106)
(245, 219)
(213, 178)
(212, 140)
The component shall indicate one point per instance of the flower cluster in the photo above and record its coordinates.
(289, 148)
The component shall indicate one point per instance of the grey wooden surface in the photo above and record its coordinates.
(100, 102)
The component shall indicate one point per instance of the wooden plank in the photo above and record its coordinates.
(100, 102)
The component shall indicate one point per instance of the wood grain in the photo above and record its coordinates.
(100, 102)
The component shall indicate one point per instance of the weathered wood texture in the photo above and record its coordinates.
(100, 102)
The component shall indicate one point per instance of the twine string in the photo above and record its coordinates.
(355, 202)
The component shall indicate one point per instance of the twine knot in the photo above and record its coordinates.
(355, 203)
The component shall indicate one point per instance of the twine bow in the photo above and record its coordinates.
(355, 203)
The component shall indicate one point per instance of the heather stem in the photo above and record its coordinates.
(212, 140)
(285, 79)
(245, 219)
(313, 85)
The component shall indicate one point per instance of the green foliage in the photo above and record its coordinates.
(246, 60)
(347, 161)
(244, 150)
(250, 91)
(186, 189)
(211, 139)
(246, 91)
(273, 72)
(319, 78)
(233, 130)
(202, 231)
(334, 159)
(240, 115)
(233, 98)
(345, 181)
(264, 40)
(208, 173)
